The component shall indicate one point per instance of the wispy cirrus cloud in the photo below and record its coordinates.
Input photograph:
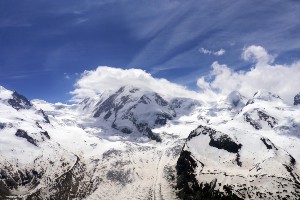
(216, 26)
(21, 74)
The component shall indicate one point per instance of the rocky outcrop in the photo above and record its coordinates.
(23, 134)
(297, 99)
(256, 117)
(189, 188)
(19, 101)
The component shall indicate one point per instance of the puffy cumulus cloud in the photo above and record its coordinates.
(106, 78)
(279, 79)
(257, 54)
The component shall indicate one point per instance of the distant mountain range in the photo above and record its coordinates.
(134, 143)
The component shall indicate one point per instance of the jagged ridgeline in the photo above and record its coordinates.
(133, 143)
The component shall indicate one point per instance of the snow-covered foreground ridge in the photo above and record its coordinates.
(138, 144)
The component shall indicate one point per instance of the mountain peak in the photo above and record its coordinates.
(265, 96)
(5, 93)
(14, 99)
(235, 98)
(2, 88)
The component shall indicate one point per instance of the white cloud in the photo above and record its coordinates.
(209, 52)
(257, 54)
(220, 52)
(105, 78)
(279, 79)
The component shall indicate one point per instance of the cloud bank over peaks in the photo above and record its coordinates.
(105, 78)
(278, 79)
(220, 81)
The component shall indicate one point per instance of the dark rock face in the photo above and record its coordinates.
(295, 177)
(205, 130)
(226, 143)
(126, 130)
(221, 142)
(268, 143)
(46, 118)
(272, 121)
(2, 125)
(185, 175)
(24, 134)
(45, 133)
(297, 99)
(188, 186)
(263, 116)
(18, 101)
(253, 123)
(11, 181)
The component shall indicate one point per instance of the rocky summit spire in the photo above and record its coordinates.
(297, 99)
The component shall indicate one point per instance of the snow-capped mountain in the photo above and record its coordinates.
(235, 165)
(29, 157)
(33, 163)
(132, 110)
(248, 157)
(134, 143)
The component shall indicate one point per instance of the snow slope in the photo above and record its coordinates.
(137, 144)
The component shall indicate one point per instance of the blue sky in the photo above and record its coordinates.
(46, 45)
